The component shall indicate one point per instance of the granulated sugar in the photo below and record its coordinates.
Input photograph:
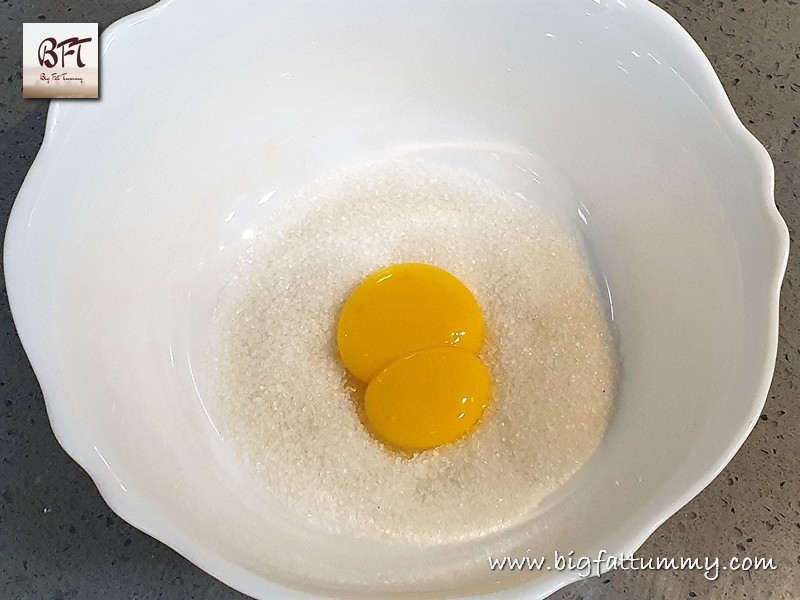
(283, 400)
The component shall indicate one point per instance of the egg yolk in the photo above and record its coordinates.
(412, 332)
(427, 398)
(402, 309)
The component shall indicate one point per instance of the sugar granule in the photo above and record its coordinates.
(283, 398)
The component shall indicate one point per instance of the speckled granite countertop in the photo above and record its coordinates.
(59, 540)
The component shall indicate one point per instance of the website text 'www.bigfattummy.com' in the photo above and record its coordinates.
(585, 566)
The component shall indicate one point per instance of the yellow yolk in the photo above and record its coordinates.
(402, 309)
(428, 398)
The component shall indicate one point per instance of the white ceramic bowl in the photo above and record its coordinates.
(137, 204)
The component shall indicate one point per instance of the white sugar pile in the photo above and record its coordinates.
(283, 400)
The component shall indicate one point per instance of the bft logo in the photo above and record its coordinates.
(59, 60)
(48, 57)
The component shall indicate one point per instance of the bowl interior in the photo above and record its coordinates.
(214, 115)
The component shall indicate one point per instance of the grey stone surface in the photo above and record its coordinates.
(59, 540)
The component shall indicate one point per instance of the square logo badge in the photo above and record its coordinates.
(60, 60)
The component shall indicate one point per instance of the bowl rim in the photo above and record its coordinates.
(125, 505)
